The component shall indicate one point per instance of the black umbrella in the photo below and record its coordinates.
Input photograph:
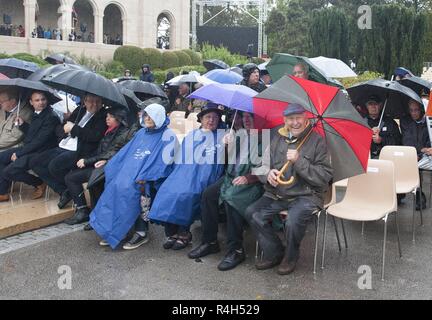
(395, 95)
(16, 68)
(81, 82)
(215, 64)
(417, 84)
(59, 58)
(133, 103)
(144, 90)
(52, 70)
(26, 87)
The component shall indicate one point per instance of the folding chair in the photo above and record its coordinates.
(379, 188)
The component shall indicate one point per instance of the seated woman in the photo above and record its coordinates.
(114, 139)
(239, 189)
(198, 165)
(142, 164)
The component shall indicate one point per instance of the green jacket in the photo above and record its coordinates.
(241, 164)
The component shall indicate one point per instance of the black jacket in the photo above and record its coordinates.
(259, 87)
(415, 134)
(390, 135)
(40, 133)
(90, 135)
(109, 145)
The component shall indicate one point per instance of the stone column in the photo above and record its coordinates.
(29, 17)
(98, 28)
(66, 21)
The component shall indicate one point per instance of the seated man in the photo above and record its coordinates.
(80, 138)
(387, 134)
(415, 134)
(10, 133)
(310, 166)
(39, 136)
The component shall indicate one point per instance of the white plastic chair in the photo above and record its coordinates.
(369, 197)
(407, 176)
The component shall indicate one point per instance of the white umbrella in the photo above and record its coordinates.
(333, 68)
(189, 78)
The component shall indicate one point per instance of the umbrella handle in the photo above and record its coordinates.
(291, 180)
(18, 112)
(382, 113)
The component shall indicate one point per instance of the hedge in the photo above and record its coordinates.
(132, 58)
(195, 56)
(184, 59)
(30, 58)
(153, 57)
(169, 60)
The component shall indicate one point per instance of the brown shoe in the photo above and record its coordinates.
(4, 197)
(286, 267)
(268, 264)
(39, 191)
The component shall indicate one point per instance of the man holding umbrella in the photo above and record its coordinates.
(80, 136)
(386, 134)
(39, 136)
(312, 172)
(10, 133)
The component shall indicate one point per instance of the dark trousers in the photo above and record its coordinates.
(235, 227)
(74, 182)
(210, 212)
(173, 229)
(53, 165)
(16, 171)
(260, 215)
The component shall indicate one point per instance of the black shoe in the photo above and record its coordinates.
(232, 260)
(65, 198)
(136, 241)
(203, 250)
(169, 243)
(80, 216)
(88, 227)
(183, 241)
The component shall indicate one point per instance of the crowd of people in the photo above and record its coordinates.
(12, 30)
(134, 172)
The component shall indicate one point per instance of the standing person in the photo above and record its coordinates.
(10, 133)
(198, 165)
(387, 134)
(39, 136)
(142, 163)
(80, 136)
(251, 77)
(147, 75)
(312, 172)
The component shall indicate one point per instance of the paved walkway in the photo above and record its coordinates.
(32, 264)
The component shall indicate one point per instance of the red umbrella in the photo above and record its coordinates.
(3, 77)
(347, 134)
